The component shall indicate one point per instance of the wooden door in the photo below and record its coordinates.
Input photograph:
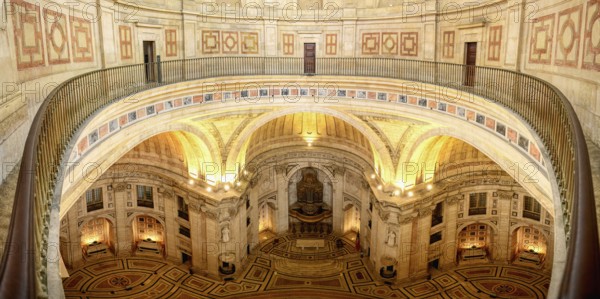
(309, 58)
(149, 60)
(470, 61)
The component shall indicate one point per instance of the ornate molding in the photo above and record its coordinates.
(425, 211)
(453, 199)
(505, 195)
(406, 219)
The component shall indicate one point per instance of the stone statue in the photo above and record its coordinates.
(225, 234)
(391, 238)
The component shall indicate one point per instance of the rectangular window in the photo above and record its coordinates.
(438, 214)
(182, 208)
(145, 197)
(435, 237)
(477, 203)
(184, 231)
(531, 208)
(93, 199)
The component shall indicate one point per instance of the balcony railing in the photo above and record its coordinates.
(23, 269)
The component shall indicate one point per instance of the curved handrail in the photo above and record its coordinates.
(545, 108)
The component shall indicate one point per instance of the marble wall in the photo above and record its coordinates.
(47, 42)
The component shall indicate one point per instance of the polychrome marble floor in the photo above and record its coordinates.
(140, 277)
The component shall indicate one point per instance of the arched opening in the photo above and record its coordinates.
(528, 246)
(97, 239)
(351, 219)
(475, 243)
(148, 236)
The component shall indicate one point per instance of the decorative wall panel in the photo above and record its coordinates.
(125, 42)
(82, 40)
(210, 42)
(540, 49)
(170, 42)
(57, 37)
(568, 36)
(370, 43)
(331, 44)
(28, 35)
(249, 42)
(230, 42)
(409, 43)
(288, 44)
(494, 43)
(591, 44)
(448, 44)
(389, 43)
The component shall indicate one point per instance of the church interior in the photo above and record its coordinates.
(299, 149)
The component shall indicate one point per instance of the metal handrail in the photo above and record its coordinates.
(544, 107)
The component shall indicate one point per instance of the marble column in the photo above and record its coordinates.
(198, 235)
(448, 248)
(74, 258)
(282, 220)
(406, 247)
(124, 231)
(421, 253)
(212, 244)
(338, 205)
(501, 243)
(172, 229)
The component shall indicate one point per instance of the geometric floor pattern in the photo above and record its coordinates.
(286, 247)
(140, 277)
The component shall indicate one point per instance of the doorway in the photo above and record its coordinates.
(149, 54)
(309, 58)
(470, 61)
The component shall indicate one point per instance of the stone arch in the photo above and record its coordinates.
(381, 155)
(498, 153)
(72, 189)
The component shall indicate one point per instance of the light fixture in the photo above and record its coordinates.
(226, 187)
(410, 193)
(429, 186)
(397, 192)
(309, 143)
(245, 172)
(191, 182)
(373, 176)
(209, 189)
(379, 187)
(238, 183)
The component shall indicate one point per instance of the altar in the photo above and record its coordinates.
(315, 243)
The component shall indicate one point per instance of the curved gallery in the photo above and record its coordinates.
(309, 198)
